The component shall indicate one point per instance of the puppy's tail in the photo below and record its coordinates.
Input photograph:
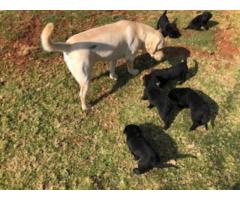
(50, 46)
(165, 12)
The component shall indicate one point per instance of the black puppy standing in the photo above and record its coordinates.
(177, 72)
(166, 27)
(159, 99)
(200, 21)
(142, 151)
(162, 76)
(188, 98)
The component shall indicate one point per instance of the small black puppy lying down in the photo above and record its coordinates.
(188, 98)
(200, 21)
(159, 99)
(166, 27)
(177, 72)
(142, 151)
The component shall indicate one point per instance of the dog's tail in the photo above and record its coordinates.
(50, 46)
(165, 12)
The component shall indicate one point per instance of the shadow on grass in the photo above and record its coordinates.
(141, 62)
(236, 186)
(212, 23)
(214, 108)
(175, 55)
(162, 143)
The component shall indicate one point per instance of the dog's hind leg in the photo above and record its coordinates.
(112, 74)
(80, 68)
(166, 123)
(83, 92)
(206, 27)
(194, 126)
(165, 165)
(145, 96)
(143, 166)
(183, 78)
(82, 74)
(206, 126)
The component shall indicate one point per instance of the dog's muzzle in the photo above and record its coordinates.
(158, 55)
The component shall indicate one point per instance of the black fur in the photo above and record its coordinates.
(188, 98)
(177, 72)
(142, 151)
(159, 99)
(200, 21)
(166, 28)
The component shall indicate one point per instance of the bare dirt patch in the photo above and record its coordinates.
(225, 46)
(28, 40)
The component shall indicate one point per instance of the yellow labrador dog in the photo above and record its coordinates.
(110, 42)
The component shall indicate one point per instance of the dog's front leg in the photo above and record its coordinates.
(130, 66)
(112, 73)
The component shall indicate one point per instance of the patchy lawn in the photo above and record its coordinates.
(47, 142)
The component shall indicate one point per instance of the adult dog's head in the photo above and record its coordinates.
(154, 44)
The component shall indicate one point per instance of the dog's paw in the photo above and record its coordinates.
(86, 107)
(113, 76)
(136, 171)
(133, 71)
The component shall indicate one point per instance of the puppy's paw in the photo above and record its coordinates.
(133, 71)
(113, 76)
(144, 98)
(150, 106)
(136, 171)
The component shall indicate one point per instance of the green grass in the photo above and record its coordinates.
(48, 142)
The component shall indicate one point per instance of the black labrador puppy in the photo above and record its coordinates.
(159, 99)
(166, 28)
(142, 150)
(177, 72)
(200, 21)
(188, 98)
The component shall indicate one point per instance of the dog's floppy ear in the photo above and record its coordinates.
(150, 44)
